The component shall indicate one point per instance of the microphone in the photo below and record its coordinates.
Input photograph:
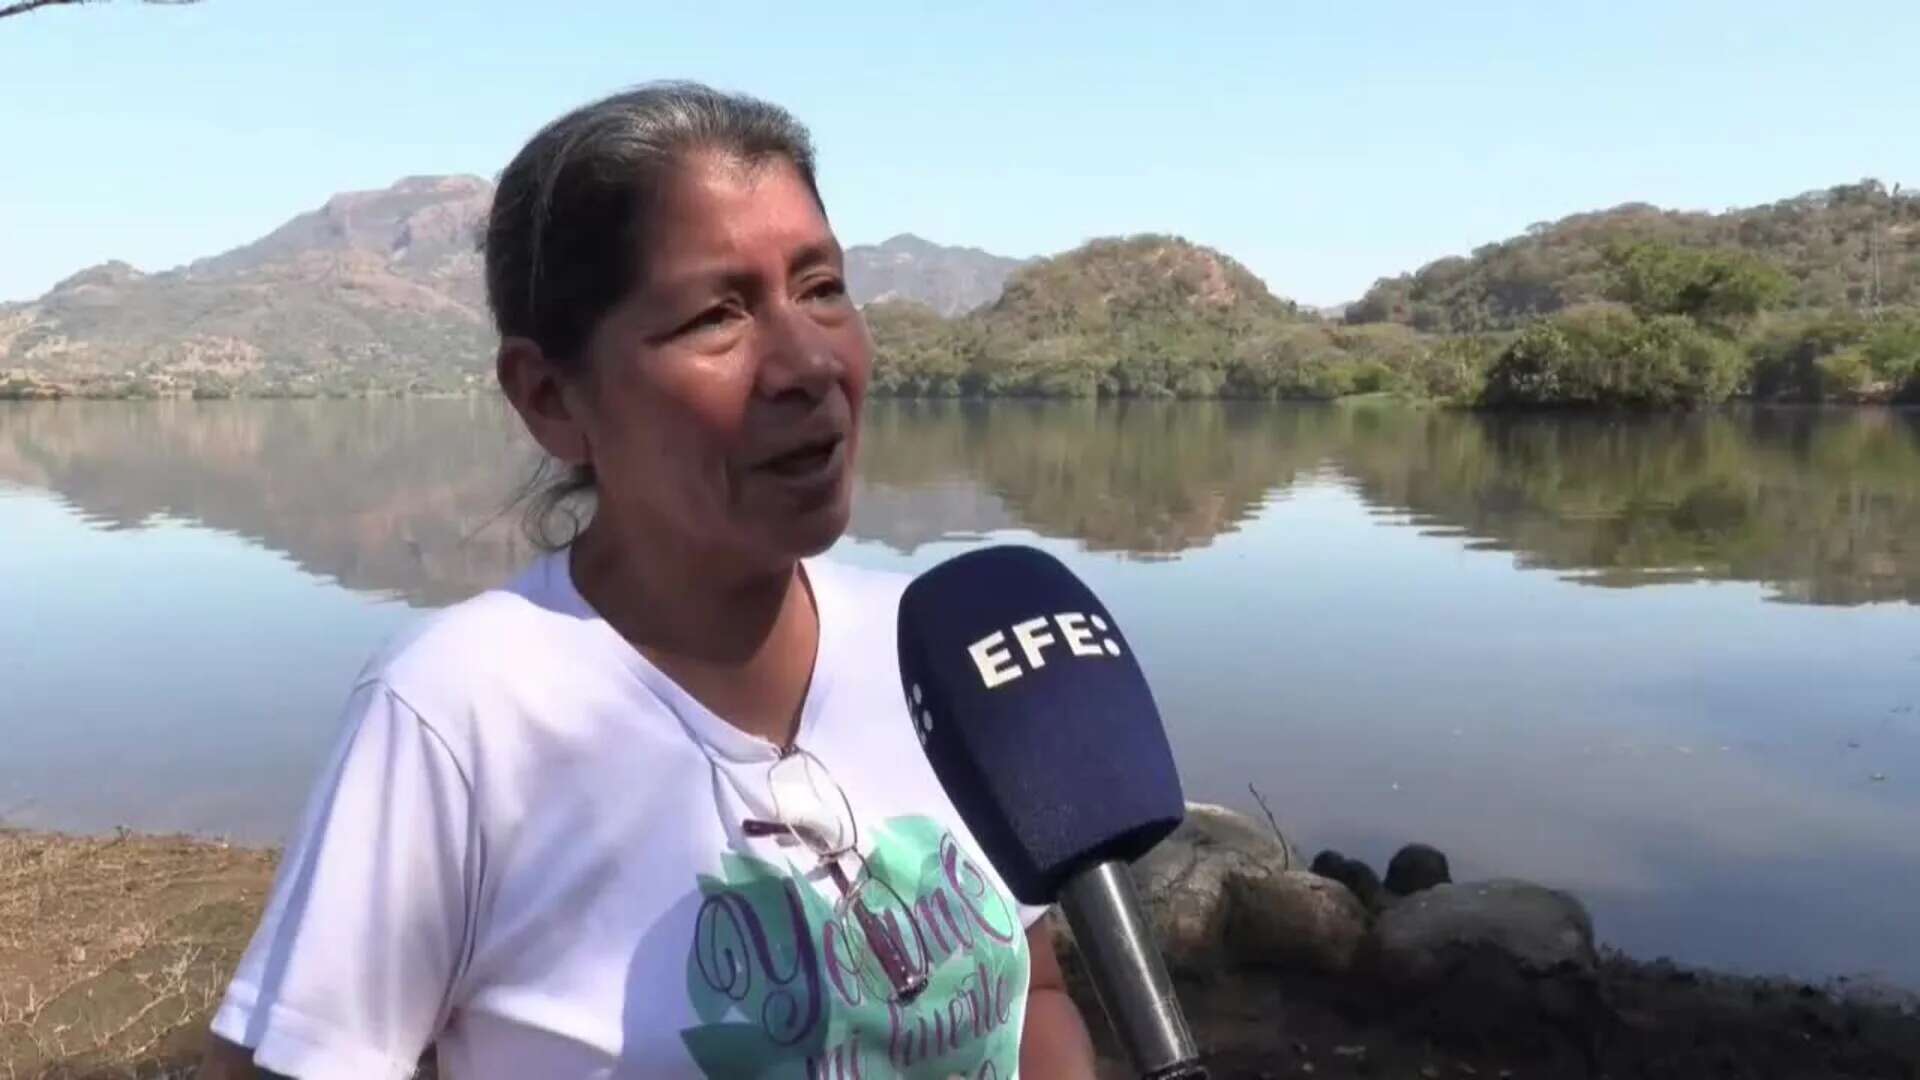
(1039, 725)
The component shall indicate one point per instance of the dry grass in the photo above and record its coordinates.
(115, 950)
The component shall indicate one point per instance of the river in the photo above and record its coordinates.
(1670, 663)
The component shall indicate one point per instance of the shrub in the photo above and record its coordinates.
(1604, 355)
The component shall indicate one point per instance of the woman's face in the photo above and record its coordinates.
(722, 396)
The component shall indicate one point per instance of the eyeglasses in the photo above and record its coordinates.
(871, 916)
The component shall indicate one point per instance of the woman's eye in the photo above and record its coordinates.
(827, 289)
(714, 317)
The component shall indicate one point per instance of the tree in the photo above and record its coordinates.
(1716, 288)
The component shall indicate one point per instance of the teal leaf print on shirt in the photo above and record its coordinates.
(777, 990)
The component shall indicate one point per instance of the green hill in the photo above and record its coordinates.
(1847, 247)
(1156, 316)
(1142, 316)
(1810, 299)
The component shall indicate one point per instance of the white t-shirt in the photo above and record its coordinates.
(527, 848)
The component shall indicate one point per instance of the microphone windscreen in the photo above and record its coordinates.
(1035, 716)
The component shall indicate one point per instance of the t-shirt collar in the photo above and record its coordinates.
(716, 736)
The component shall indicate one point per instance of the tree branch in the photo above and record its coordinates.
(21, 7)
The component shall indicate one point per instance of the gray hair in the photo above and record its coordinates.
(567, 233)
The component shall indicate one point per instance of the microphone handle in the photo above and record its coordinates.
(1129, 975)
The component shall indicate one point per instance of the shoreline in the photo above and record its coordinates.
(114, 950)
(55, 392)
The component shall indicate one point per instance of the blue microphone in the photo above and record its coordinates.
(1041, 728)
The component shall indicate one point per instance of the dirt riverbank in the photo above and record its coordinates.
(114, 950)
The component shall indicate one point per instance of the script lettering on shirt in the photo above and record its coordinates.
(733, 947)
(755, 946)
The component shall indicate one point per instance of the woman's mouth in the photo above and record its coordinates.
(806, 461)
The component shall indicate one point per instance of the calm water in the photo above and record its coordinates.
(1671, 663)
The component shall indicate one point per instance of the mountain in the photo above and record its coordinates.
(950, 280)
(374, 291)
(425, 226)
(1851, 246)
(1813, 298)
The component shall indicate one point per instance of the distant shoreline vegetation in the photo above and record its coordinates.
(1598, 354)
(18, 386)
(158, 381)
(1811, 299)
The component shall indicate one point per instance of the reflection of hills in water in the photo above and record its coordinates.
(1824, 506)
(405, 497)
(905, 518)
(390, 496)
(1144, 479)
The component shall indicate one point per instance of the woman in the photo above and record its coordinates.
(655, 808)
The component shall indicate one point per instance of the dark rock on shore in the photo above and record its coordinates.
(1281, 973)
(1357, 876)
(1539, 930)
(1416, 867)
(1223, 895)
(1492, 959)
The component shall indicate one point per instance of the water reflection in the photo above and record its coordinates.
(408, 498)
(398, 497)
(1149, 480)
(1822, 506)
(1722, 780)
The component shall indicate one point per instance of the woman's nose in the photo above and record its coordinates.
(797, 355)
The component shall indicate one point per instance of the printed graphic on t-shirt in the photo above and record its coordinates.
(782, 990)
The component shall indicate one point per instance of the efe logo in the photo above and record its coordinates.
(996, 662)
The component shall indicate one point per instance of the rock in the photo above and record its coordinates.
(1218, 826)
(1474, 958)
(1535, 929)
(1416, 867)
(1183, 884)
(1224, 890)
(1293, 920)
(1357, 876)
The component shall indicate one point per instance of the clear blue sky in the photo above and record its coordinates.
(1322, 144)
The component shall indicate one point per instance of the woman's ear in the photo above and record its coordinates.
(539, 392)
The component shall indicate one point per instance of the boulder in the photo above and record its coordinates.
(1533, 929)
(1224, 889)
(1416, 867)
(1470, 959)
(1357, 876)
(1293, 920)
(1210, 826)
(1184, 888)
